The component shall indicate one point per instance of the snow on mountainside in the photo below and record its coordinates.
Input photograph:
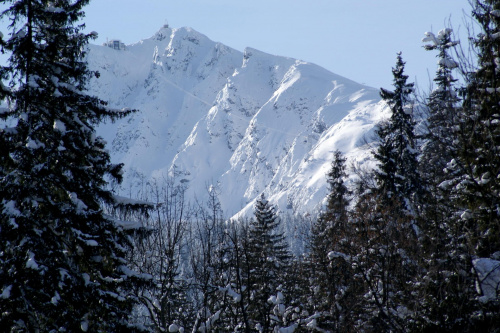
(245, 122)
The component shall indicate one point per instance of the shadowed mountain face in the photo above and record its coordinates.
(245, 123)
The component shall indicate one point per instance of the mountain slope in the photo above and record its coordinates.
(246, 122)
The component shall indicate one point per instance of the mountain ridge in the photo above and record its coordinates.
(245, 122)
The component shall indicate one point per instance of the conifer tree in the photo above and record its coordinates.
(381, 251)
(397, 174)
(475, 185)
(443, 107)
(445, 292)
(326, 228)
(330, 274)
(440, 148)
(268, 259)
(479, 136)
(382, 241)
(62, 265)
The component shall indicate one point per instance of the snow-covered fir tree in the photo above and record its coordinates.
(330, 272)
(444, 291)
(397, 175)
(479, 155)
(475, 185)
(380, 248)
(269, 260)
(443, 108)
(62, 260)
(382, 239)
(325, 229)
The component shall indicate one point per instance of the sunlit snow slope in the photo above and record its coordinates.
(247, 123)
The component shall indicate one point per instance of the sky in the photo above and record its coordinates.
(357, 39)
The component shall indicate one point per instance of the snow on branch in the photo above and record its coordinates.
(430, 37)
(448, 63)
(333, 254)
(124, 201)
(488, 275)
(6, 292)
(125, 224)
(128, 204)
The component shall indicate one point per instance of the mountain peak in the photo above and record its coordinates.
(245, 122)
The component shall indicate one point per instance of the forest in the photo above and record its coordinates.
(410, 246)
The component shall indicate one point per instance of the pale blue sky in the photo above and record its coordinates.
(358, 39)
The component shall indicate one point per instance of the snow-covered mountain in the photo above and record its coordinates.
(247, 123)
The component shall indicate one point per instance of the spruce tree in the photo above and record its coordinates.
(397, 175)
(330, 274)
(62, 265)
(384, 233)
(475, 185)
(443, 288)
(268, 260)
(479, 136)
(381, 251)
(440, 148)
(443, 108)
(326, 228)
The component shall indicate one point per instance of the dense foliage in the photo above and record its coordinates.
(62, 259)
